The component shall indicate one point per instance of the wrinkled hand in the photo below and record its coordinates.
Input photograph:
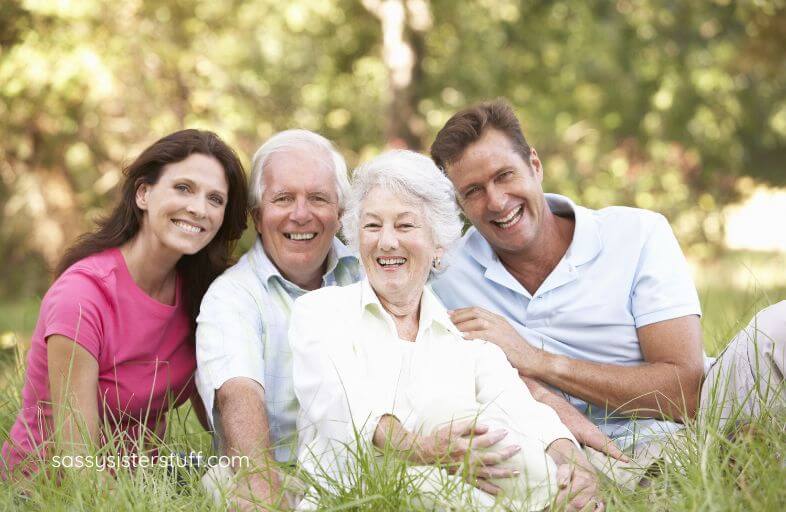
(480, 323)
(577, 490)
(464, 446)
(260, 491)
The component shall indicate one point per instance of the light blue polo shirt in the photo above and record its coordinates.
(624, 269)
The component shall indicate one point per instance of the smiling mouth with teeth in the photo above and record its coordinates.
(185, 226)
(391, 262)
(300, 236)
(510, 219)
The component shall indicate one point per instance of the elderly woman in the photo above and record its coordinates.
(379, 362)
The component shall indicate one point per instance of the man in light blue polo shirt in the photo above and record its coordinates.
(244, 363)
(597, 304)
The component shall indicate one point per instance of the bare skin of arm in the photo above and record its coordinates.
(73, 384)
(245, 427)
(665, 385)
(585, 432)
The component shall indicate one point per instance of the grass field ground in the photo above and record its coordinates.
(714, 473)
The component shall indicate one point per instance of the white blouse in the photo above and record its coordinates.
(351, 368)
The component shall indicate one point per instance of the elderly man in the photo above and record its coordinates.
(598, 304)
(244, 374)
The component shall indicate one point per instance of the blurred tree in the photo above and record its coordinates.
(657, 104)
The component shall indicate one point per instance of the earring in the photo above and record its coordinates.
(436, 263)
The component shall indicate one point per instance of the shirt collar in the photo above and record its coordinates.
(586, 243)
(584, 247)
(431, 309)
(265, 269)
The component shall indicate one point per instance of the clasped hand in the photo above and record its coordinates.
(466, 447)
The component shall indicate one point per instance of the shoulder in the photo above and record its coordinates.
(631, 231)
(484, 351)
(237, 279)
(628, 220)
(90, 276)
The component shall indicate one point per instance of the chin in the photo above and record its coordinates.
(187, 249)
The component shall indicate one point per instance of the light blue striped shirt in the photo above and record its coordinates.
(242, 332)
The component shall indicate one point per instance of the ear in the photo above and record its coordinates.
(142, 192)
(256, 216)
(536, 165)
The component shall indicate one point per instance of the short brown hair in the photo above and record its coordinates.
(467, 126)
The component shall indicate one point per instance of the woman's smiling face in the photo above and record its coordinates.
(396, 246)
(185, 208)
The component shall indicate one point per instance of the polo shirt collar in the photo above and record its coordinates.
(584, 247)
(265, 269)
(586, 243)
(431, 309)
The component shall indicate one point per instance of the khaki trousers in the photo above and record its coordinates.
(748, 377)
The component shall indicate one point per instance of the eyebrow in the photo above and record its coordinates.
(372, 214)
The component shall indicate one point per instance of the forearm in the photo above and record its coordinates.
(76, 433)
(564, 409)
(73, 387)
(659, 389)
(245, 429)
(390, 434)
(563, 451)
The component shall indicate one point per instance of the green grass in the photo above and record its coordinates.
(714, 473)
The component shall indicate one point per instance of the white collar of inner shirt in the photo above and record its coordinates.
(431, 310)
(586, 243)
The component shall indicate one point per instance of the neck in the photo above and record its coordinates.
(152, 267)
(532, 266)
(309, 281)
(405, 311)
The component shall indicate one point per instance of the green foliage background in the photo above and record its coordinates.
(674, 106)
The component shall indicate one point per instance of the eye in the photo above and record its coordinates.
(319, 199)
(406, 226)
(505, 175)
(371, 225)
(218, 200)
(182, 187)
(282, 199)
(471, 191)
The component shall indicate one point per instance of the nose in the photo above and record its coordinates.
(197, 207)
(496, 199)
(388, 241)
(300, 212)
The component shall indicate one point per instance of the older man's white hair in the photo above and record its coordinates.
(415, 179)
(289, 140)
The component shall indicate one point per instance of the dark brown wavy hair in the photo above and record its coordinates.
(198, 270)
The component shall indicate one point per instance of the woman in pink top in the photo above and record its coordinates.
(113, 348)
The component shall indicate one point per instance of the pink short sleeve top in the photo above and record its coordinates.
(144, 350)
